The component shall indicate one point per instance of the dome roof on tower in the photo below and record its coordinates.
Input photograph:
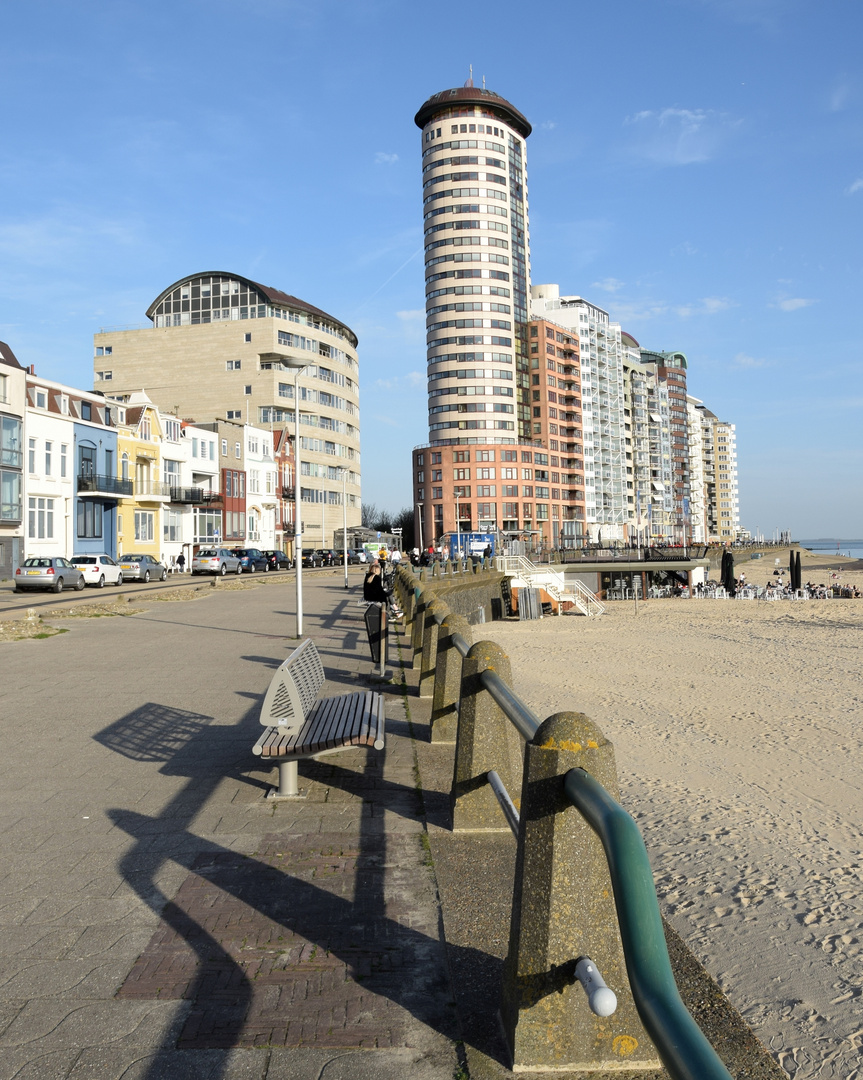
(474, 95)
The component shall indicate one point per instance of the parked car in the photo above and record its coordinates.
(312, 557)
(328, 557)
(358, 556)
(251, 559)
(216, 560)
(142, 568)
(51, 572)
(98, 570)
(278, 560)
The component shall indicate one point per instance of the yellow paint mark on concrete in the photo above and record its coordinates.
(624, 1045)
(592, 744)
(564, 744)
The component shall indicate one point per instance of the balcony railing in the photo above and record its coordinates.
(192, 495)
(153, 488)
(104, 485)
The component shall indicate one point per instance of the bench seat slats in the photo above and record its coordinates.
(348, 720)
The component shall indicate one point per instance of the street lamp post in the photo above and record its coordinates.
(345, 521)
(420, 523)
(457, 527)
(298, 525)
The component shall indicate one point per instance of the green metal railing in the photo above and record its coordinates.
(681, 1045)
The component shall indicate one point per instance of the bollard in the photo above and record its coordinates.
(447, 679)
(563, 910)
(429, 646)
(486, 740)
(417, 627)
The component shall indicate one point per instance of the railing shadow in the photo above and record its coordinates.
(380, 953)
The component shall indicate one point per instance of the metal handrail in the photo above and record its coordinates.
(513, 707)
(681, 1044)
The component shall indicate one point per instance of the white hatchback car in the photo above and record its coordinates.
(98, 570)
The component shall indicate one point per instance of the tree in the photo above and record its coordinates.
(369, 514)
(404, 520)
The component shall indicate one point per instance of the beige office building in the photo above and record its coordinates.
(222, 347)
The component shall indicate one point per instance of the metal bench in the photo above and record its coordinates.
(298, 725)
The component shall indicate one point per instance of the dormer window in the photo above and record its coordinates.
(86, 410)
(41, 399)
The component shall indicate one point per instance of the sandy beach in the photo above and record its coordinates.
(738, 730)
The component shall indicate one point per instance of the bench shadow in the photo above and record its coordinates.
(382, 955)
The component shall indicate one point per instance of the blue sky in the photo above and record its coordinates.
(695, 167)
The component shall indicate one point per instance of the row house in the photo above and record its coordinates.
(71, 488)
(249, 495)
(13, 396)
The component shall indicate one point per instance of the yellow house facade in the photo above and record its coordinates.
(139, 452)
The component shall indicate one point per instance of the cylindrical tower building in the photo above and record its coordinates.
(474, 170)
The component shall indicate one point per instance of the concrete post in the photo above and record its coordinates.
(486, 740)
(447, 679)
(429, 645)
(563, 909)
(417, 629)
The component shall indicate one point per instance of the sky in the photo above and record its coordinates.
(695, 168)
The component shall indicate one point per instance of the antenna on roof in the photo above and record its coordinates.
(483, 82)
(470, 79)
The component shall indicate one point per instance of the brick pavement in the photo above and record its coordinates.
(160, 917)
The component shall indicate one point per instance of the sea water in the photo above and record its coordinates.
(828, 546)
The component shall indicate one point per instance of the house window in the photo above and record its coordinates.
(89, 519)
(40, 523)
(48, 447)
(31, 455)
(144, 521)
(86, 410)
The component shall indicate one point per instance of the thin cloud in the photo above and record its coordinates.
(684, 249)
(412, 315)
(608, 284)
(548, 125)
(409, 381)
(707, 305)
(855, 187)
(742, 360)
(385, 159)
(793, 303)
(675, 136)
(840, 94)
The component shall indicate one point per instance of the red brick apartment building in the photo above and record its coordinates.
(530, 487)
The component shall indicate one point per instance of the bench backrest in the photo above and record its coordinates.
(294, 688)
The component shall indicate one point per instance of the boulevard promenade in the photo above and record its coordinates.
(161, 918)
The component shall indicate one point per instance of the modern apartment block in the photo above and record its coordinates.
(719, 447)
(477, 273)
(222, 347)
(697, 492)
(475, 213)
(609, 488)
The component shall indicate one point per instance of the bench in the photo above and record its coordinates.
(298, 725)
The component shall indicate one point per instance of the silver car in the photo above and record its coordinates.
(216, 560)
(50, 572)
(142, 568)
